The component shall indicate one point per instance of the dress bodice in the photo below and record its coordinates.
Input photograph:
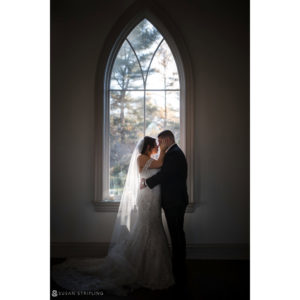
(146, 171)
(148, 200)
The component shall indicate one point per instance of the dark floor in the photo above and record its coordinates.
(207, 279)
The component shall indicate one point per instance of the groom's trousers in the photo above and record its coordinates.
(175, 221)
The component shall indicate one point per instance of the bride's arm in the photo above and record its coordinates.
(156, 164)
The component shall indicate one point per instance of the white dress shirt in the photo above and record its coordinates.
(169, 147)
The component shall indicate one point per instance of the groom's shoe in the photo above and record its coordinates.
(172, 291)
(180, 292)
(184, 293)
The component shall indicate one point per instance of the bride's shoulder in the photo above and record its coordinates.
(141, 161)
(142, 158)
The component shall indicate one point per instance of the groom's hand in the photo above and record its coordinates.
(142, 183)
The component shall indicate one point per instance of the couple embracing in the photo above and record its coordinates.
(138, 255)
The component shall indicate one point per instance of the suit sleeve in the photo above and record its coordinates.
(169, 170)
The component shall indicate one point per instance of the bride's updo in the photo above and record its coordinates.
(147, 141)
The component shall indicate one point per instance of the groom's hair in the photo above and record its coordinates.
(167, 134)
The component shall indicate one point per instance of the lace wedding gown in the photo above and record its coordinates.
(143, 260)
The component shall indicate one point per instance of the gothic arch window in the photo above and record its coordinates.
(144, 98)
(144, 93)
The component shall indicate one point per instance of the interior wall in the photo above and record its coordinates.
(216, 35)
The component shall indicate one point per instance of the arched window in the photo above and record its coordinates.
(147, 87)
(144, 98)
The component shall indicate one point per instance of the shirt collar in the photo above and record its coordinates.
(170, 147)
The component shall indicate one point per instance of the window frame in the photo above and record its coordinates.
(112, 45)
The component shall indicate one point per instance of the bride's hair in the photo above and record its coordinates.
(148, 141)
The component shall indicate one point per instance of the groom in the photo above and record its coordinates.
(174, 199)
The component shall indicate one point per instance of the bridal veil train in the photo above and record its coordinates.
(138, 254)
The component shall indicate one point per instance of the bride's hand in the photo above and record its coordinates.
(163, 145)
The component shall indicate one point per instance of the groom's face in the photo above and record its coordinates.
(167, 141)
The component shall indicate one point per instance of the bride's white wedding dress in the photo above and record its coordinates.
(143, 259)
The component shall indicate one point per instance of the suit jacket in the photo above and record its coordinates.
(172, 178)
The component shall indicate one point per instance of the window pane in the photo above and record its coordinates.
(145, 38)
(155, 112)
(126, 72)
(163, 73)
(163, 112)
(126, 127)
(173, 114)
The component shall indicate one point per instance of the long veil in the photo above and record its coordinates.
(113, 273)
(127, 213)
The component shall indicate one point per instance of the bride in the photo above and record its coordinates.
(138, 255)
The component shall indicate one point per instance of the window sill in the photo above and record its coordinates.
(110, 206)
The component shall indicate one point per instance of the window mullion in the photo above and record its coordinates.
(137, 60)
(150, 90)
(152, 60)
(144, 112)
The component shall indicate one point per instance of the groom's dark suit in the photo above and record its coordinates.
(174, 199)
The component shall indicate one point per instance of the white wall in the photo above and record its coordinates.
(217, 38)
